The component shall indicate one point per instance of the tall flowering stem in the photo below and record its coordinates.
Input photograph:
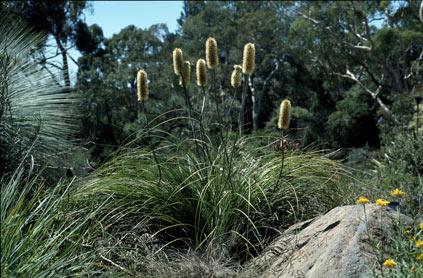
(202, 131)
(142, 92)
(248, 65)
(212, 59)
(382, 203)
(397, 193)
(236, 79)
(151, 143)
(190, 110)
(201, 81)
(214, 89)
(183, 69)
(364, 201)
(283, 123)
(242, 112)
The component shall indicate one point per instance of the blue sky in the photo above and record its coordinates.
(113, 16)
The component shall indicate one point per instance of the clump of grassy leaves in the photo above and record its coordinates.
(39, 236)
(227, 205)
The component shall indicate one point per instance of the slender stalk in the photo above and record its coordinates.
(151, 144)
(219, 123)
(202, 131)
(214, 89)
(366, 221)
(191, 112)
(230, 107)
(230, 159)
(241, 114)
(221, 133)
(236, 135)
(190, 108)
(382, 243)
(282, 160)
(417, 123)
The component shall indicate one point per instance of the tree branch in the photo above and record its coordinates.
(328, 30)
(366, 26)
(53, 65)
(375, 94)
(52, 75)
(76, 63)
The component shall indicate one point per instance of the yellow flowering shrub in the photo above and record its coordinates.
(389, 263)
(363, 200)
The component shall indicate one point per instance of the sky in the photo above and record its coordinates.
(113, 16)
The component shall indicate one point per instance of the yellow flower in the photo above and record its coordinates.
(389, 263)
(363, 200)
(236, 76)
(419, 243)
(142, 87)
(420, 257)
(397, 192)
(284, 114)
(178, 61)
(406, 232)
(382, 202)
(201, 72)
(248, 59)
(211, 53)
(185, 74)
(421, 226)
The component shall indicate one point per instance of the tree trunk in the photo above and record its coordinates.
(65, 68)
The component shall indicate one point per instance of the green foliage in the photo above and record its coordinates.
(382, 59)
(107, 82)
(403, 168)
(36, 114)
(405, 252)
(203, 192)
(292, 60)
(201, 204)
(64, 21)
(397, 165)
(398, 253)
(37, 237)
(353, 123)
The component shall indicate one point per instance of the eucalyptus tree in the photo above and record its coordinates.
(375, 46)
(64, 24)
(107, 81)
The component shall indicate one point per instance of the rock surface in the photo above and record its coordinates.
(333, 245)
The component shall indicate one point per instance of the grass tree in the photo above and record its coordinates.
(37, 114)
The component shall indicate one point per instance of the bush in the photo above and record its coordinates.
(40, 237)
(37, 114)
(198, 204)
(403, 168)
